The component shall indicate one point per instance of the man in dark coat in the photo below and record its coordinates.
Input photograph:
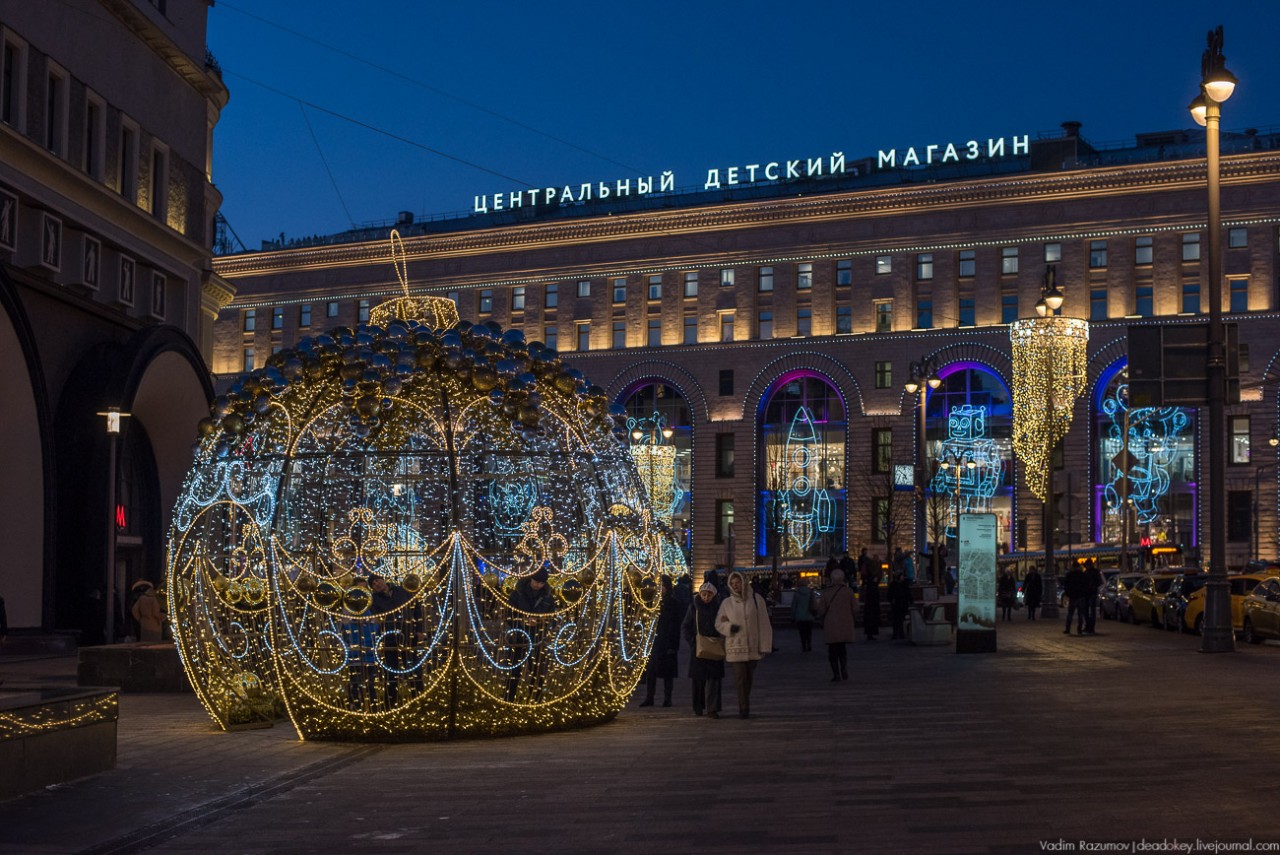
(664, 662)
(403, 628)
(869, 593)
(532, 603)
(1076, 587)
(850, 570)
(1094, 577)
(1032, 592)
(707, 674)
(899, 603)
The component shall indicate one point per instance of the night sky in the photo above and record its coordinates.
(623, 89)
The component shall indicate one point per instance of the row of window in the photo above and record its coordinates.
(1099, 310)
(1142, 255)
(766, 275)
(55, 134)
(250, 317)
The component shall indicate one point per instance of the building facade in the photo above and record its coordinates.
(771, 333)
(107, 297)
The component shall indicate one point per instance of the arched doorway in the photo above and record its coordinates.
(801, 471)
(969, 442)
(660, 434)
(1146, 462)
(22, 501)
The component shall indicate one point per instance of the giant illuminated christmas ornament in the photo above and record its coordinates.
(365, 532)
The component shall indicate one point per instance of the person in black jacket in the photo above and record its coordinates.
(663, 659)
(1094, 577)
(707, 674)
(532, 604)
(899, 603)
(1076, 587)
(1032, 591)
(1006, 594)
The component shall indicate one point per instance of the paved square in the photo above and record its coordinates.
(1125, 736)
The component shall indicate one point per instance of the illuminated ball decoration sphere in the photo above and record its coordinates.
(460, 465)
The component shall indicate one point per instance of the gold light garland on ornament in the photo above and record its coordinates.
(459, 465)
(1049, 356)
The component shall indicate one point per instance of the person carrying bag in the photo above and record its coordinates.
(706, 651)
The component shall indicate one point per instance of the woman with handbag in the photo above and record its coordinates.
(706, 651)
(743, 620)
(837, 608)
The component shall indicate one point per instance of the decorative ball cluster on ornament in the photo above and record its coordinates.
(375, 365)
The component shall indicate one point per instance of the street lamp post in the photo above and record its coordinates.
(1216, 86)
(1257, 499)
(954, 461)
(113, 417)
(924, 376)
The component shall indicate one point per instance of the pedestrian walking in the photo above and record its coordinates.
(802, 612)
(1094, 577)
(1006, 594)
(664, 661)
(837, 610)
(1076, 587)
(849, 569)
(1032, 591)
(743, 620)
(706, 651)
(899, 603)
(869, 593)
(909, 568)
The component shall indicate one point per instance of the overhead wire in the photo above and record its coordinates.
(223, 4)
(374, 128)
(325, 161)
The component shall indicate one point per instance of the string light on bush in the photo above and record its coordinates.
(462, 466)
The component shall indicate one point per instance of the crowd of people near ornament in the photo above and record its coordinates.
(726, 625)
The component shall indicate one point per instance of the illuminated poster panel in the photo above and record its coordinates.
(976, 609)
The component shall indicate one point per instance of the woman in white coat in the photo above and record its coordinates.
(743, 620)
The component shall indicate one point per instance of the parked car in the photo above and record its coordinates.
(1147, 596)
(1262, 611)
(1114, 603)
(1175, 600)
(1240, 584)
(1261, 567)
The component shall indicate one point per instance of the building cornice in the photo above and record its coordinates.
(881, 201)
(216, 294)
(188, 68)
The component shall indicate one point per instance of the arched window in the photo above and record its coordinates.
(1146, 461)
(969, 430)
(665, 463)
(802, 477)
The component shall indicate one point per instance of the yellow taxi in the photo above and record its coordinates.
(1146, 598)
(1262, 611)
(1241, 585)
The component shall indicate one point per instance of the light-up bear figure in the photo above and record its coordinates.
(971, 487)
(806, 507)
(1154, 447)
